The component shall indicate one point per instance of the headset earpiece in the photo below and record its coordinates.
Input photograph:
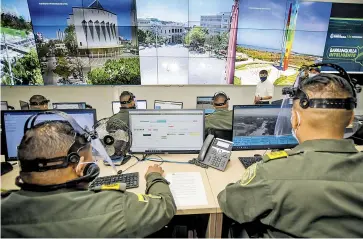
(73, 158)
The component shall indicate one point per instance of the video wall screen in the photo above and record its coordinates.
(150, 42)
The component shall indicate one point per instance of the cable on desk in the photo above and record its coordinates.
(131, 165)
(161, 160)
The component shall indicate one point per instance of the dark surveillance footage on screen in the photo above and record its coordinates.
(254, 127)
(252, 123)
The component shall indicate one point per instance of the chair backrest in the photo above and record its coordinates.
(221, 133)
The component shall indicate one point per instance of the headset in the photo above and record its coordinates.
(83, 138)
(39, 103)
(132, 97)
(331, 103)
(220, 93)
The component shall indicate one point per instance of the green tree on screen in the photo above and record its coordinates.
(196, 36)
(63, 68)
(26, 71)
(70, 40)
(125, 71)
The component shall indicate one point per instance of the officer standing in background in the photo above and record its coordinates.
(54, 202)
(314, 190)
(127, 100)
(38, 102)
(222, 117)
(264, 89)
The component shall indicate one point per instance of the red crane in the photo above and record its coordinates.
(231, 54)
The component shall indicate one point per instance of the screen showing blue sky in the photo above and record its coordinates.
(166, 10)
(17, 7)
(262, 24)
(48, 19)
(56, 15)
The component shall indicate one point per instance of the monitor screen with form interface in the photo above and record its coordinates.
(69, 105)
(14, 121)
(171, 131)
(140, 104)
(254, 128)
(159, 104)
(4, 105)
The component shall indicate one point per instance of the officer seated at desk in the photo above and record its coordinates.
(222, 117)
(314, 190)
(53, 201)
(38, 102)
(127, 100)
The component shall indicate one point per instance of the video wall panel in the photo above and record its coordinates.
(150, 42)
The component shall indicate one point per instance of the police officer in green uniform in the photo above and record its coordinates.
(314, 190)
(54, 200)
(222, 117)
(127, 100)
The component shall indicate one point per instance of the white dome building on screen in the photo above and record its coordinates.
(96, 30)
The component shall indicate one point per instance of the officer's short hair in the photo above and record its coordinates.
(49, 140)
(327, 86)
(264, 72)
(125, 93)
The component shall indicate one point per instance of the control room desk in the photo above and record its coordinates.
(8, 182)
(214, 182)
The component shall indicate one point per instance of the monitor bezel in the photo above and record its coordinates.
(170, 151)
(7, 105)
(69, 103)
(22, 101)
(258, 147)
(116, 101)
(141, 100)
(4, 139)
(211, 96)
(178, 102)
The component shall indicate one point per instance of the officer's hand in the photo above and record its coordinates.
(154, 169)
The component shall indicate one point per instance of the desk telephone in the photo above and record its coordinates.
(215, 152)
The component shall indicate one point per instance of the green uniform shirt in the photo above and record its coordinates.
(123, 115)
(71, 213)
(315, 191)
(220, 119)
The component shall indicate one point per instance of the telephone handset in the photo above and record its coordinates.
(215, 152)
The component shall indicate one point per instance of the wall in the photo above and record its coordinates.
(100, 97)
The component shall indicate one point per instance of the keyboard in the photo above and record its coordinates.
(248, 161)
(131, 180)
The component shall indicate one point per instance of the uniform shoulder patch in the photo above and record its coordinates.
(275, 155)
(249, 175)
(145, 197)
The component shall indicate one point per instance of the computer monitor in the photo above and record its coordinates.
(166, 131)
(140, 104)
(4, 105)
(13, 125)
(205, 102)
(24, 105)
(254, 128)
(69, 105)
(159, 104)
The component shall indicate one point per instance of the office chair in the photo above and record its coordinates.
(247, 230)
(225, 134)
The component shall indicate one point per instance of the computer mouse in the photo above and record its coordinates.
(119, 172)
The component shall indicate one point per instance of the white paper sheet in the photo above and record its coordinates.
(187, 188)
